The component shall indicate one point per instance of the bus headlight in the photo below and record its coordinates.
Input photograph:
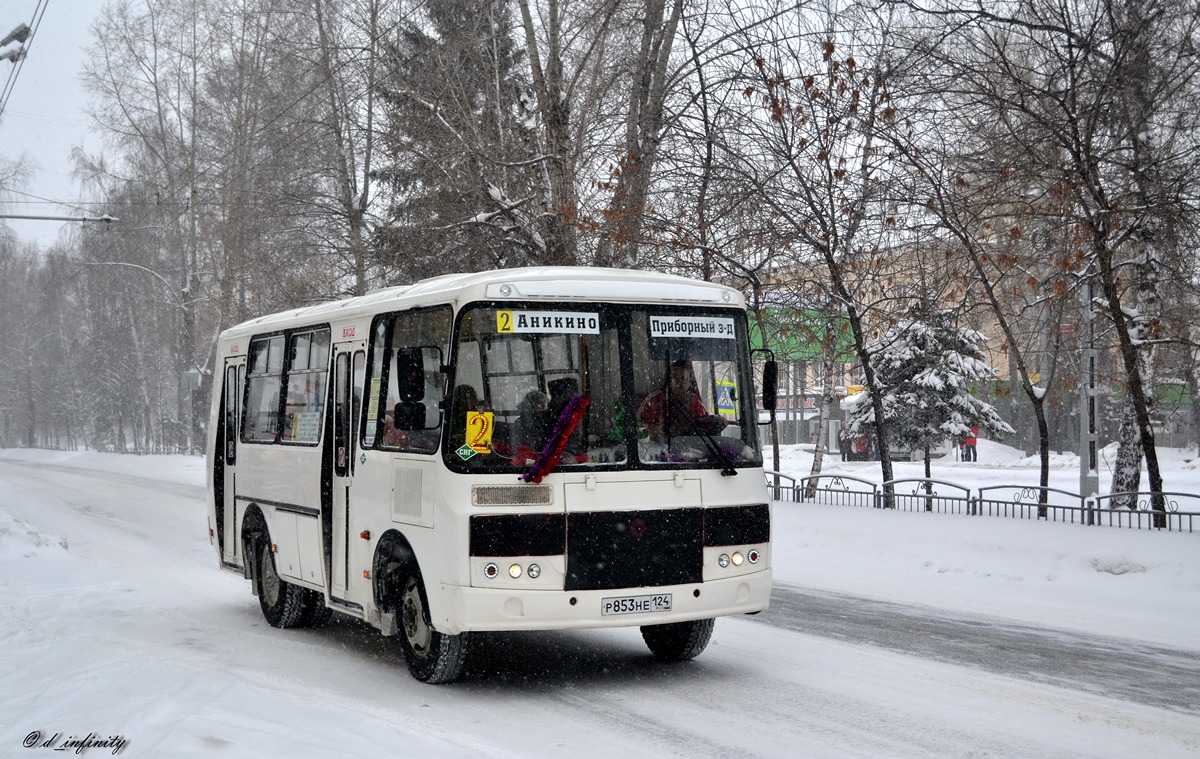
(514, 571)
(490, 570)
(754, 556)
(723, 560)
(738, 558)
(534, 571)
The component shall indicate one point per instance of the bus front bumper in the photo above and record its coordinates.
(496, 609)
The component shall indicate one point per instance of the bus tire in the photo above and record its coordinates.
(282, 602)
(678, 641)
(315, 613)
(433, 657)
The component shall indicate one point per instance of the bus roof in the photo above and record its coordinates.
(550, 283)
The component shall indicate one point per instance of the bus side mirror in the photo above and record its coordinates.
(410, 375)
(413, 365)
(770, 392)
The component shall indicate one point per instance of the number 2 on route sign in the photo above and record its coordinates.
(479, 431)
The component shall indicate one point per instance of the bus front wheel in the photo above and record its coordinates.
(678, 641)
(432, 656)
(282, 602)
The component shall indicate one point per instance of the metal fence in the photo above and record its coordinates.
(1173, 512)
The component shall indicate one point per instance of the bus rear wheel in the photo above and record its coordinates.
(282, 602)
(315, 613)
(678, 641)
(432, 656)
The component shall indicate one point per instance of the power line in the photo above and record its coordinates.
(217, 162)
(38, 200)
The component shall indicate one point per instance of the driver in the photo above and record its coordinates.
(676, 408)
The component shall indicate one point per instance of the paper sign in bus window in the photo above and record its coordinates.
(692, 326)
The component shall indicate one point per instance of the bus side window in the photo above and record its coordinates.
(231, 415)
(307, 374)
(373, 425)
(342, 415)
(264, 385)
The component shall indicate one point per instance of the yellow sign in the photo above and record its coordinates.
(479, 431)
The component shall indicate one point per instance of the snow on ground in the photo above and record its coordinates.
(117, 620)
(1132, 583)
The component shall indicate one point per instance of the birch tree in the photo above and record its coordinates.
(1100, 99)
(821, 105)
(349, 59)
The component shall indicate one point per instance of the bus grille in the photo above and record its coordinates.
(511, 495)
(632, 549)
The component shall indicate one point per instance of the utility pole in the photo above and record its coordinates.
(1089, 469)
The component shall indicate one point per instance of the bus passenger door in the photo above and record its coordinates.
(349, 368)
(235, 378)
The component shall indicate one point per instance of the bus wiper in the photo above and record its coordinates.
(696, 426)
(714, 447)
(568, 420)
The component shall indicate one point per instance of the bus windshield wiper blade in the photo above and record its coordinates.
(713, 446)
(695, 426)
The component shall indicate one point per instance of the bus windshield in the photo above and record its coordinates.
(539, 387)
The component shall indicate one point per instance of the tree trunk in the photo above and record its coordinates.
(1193, 382)
(828, 363)
(1127, 472)
(560, 204)
(1130, 362)
(643, 135)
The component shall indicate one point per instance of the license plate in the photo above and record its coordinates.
(635, 604)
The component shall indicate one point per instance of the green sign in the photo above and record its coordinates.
(800, 334)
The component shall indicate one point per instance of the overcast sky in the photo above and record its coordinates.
(44, 118)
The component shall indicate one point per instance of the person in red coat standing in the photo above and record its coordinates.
(970, 440)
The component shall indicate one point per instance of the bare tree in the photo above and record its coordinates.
(348, 45)
(815, 147)
(645, 123)
(203, 104)
(601, 75)
(973, 195)
(1099, 100)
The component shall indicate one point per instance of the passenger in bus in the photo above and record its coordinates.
(391, 435)
(676, 408)
(533, 420)
(562, 390)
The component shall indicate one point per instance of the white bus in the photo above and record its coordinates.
(542, 448)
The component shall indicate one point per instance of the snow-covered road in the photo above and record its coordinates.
(1116, 667)
(116, 623)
